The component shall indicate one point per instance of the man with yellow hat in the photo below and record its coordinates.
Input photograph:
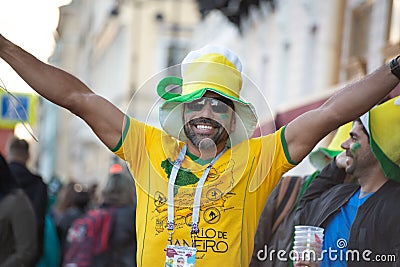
(360, 219)
(202, 180)
(276, 225)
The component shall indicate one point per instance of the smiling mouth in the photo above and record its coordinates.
(204, 124)
(349, 158)
(204, 127)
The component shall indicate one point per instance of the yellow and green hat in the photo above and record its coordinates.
(383, 126)
(320, 157)
(211, 68)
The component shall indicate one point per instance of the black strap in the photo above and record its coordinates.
(395, 67)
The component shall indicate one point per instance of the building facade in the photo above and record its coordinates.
(297, 53)
(113, 46)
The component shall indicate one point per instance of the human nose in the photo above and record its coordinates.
(206, 111)
(346, 144)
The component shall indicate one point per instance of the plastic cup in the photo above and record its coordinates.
(308, 228)
(313, 238)
(309, 234)
(307, 243)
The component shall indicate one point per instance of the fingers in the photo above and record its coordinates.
(305, 264)
(341, 160)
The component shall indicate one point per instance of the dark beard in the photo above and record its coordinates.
(196, 139)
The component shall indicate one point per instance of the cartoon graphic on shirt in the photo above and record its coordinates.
(213, 200)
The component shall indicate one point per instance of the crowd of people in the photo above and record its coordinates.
(36, 231)
(202, 181)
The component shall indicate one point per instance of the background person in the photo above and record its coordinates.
(105, 236)
(71, 204)
(17, 156)
(18, 235)
(118, 193)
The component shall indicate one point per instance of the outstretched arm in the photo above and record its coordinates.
(303, 133)
(65, 90)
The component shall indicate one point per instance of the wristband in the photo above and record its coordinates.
(395, 67)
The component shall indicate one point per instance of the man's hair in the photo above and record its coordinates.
(17, 148)
(117, 189)
(362, 127)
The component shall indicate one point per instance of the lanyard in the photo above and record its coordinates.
(197, 196)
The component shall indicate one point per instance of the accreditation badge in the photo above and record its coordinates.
(180, 256)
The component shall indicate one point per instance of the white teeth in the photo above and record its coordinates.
(204, 127)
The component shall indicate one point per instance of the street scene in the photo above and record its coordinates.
(199, 133)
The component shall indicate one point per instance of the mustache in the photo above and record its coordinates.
(349, 153)
(203, 120)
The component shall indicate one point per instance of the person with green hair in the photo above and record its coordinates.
(360, 219)
(202, 180)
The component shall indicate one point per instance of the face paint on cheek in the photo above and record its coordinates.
(224, 116)
(355, 147)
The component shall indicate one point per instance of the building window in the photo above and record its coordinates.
(176, 52)
(392, 45)
(360, 29)
(359, 41)
(394, 28)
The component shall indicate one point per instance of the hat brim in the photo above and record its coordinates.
(390, 169)
(321, 157)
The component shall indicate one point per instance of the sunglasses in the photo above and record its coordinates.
(218, 105)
